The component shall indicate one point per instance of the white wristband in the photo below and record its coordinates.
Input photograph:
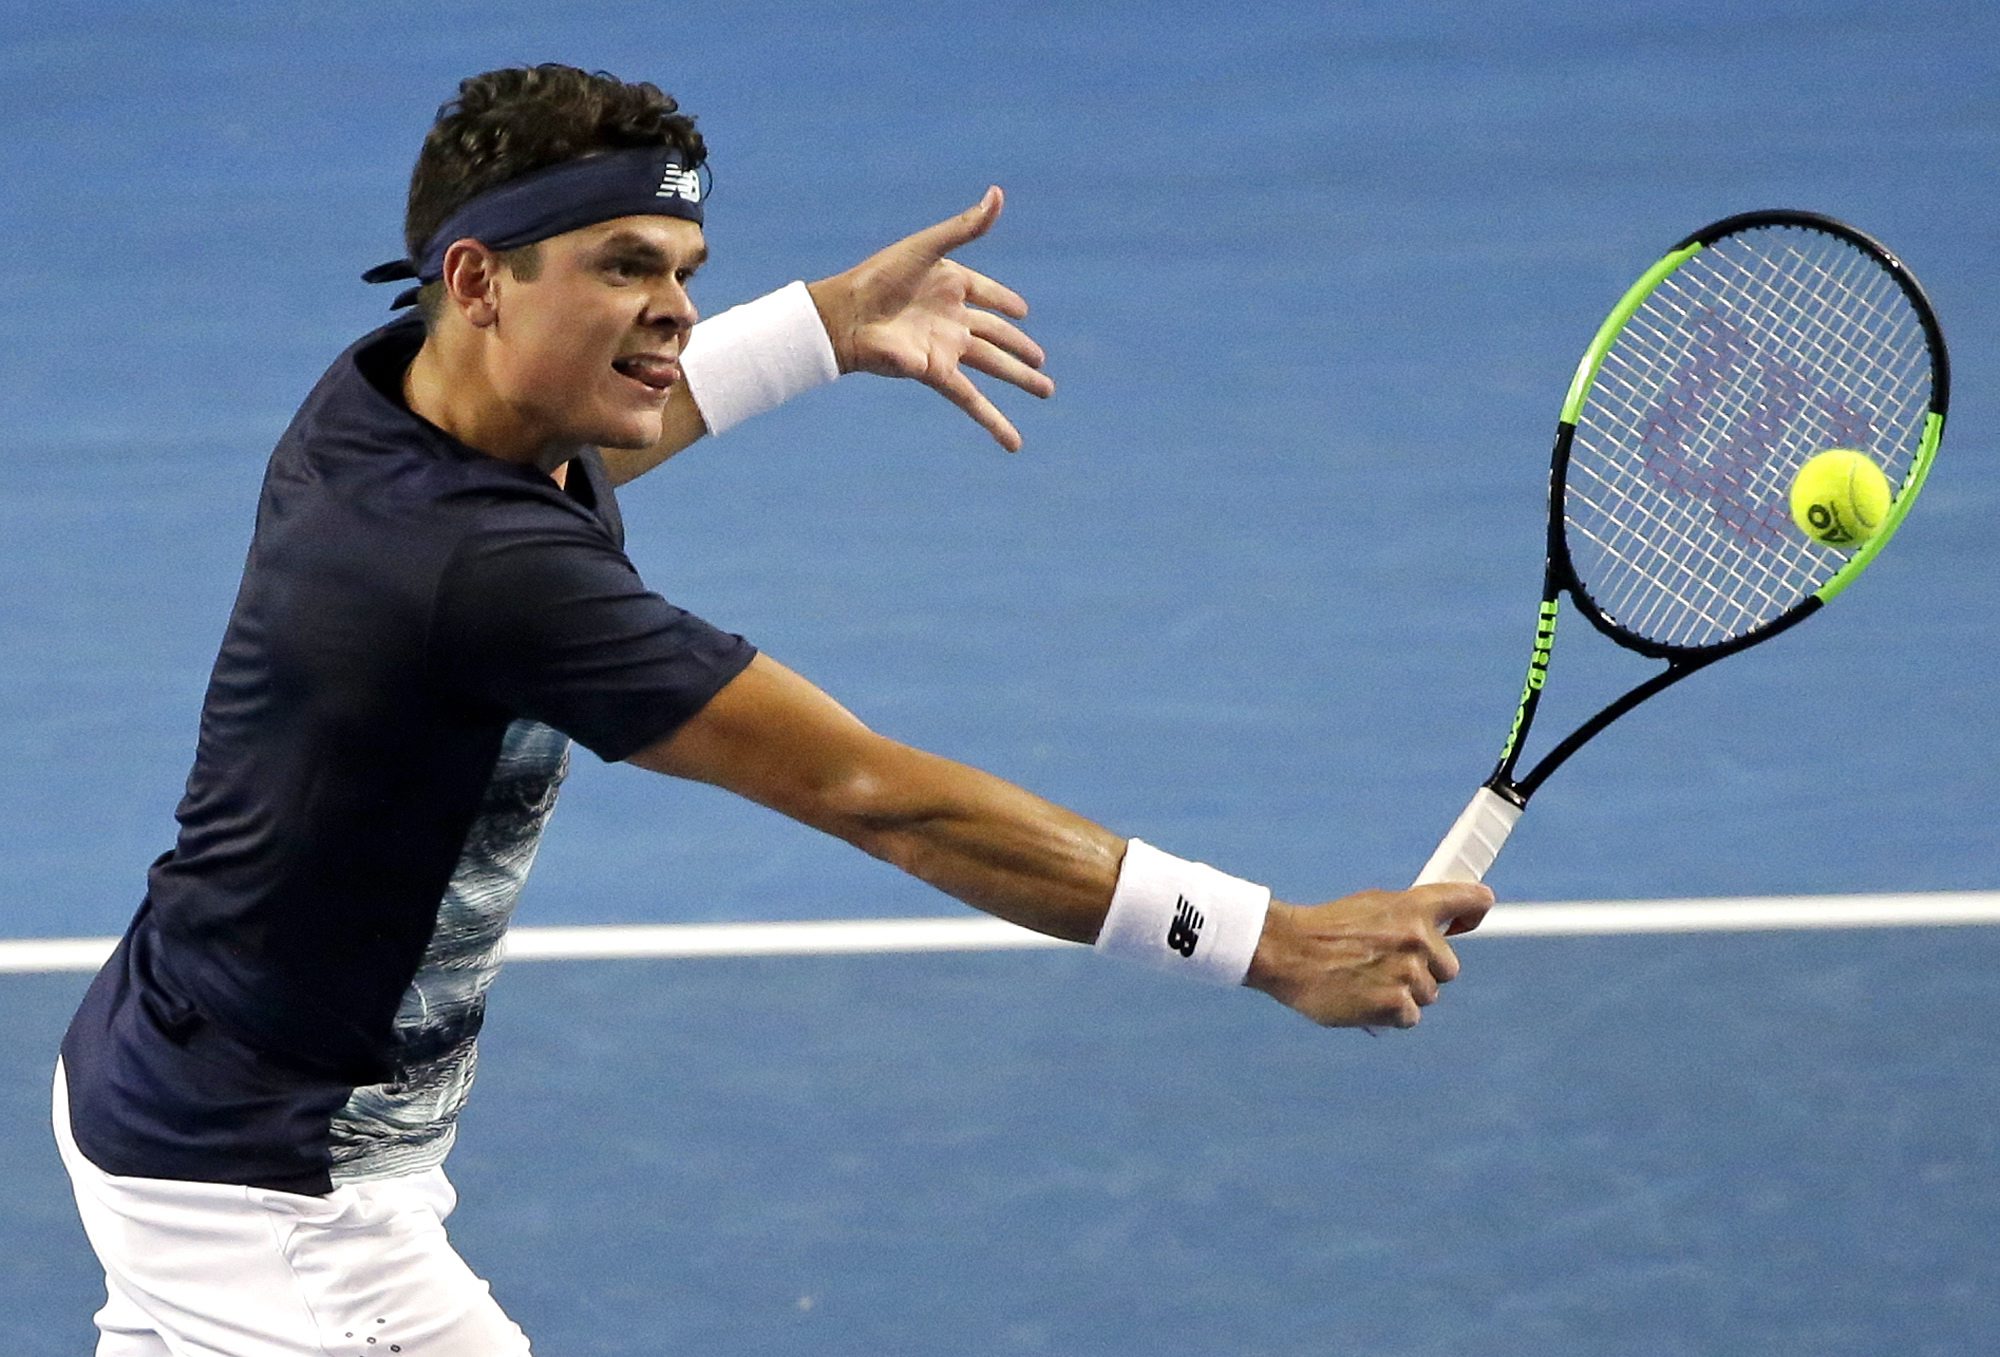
(1184, 916)
(757, 356)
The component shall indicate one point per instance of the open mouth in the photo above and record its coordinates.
(650, 370)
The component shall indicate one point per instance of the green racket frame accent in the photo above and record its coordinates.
(1607, 333)
(1920, 468)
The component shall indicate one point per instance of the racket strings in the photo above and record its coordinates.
(1687, 555)
(1757, 353)
(1735, 391)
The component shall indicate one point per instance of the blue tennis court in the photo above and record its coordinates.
(1312, 281)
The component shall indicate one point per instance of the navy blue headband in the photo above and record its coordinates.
(646, 181)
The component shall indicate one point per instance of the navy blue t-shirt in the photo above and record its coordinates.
(418, 628)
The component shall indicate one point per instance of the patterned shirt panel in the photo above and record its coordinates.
(409, 1123)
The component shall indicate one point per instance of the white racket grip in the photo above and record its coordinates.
(1473, 841)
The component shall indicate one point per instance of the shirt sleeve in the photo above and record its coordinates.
(554, 624)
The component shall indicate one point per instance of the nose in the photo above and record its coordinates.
(670, 308)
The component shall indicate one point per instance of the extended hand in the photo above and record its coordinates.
(1374, 959)
(911, 311)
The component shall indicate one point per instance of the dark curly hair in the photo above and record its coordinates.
(508, 122)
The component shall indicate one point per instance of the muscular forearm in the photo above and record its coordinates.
(986, 842)
(773, 737)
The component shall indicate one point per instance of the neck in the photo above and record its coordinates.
(448, 386)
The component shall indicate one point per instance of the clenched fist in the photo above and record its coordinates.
(1374, 959)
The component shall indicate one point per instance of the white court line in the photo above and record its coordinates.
(847, 936)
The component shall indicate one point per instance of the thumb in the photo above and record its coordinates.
(940, 240)
(1456, 906)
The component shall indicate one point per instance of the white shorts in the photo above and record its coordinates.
(211, 1270)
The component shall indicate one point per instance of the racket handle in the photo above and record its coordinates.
(1473, 841)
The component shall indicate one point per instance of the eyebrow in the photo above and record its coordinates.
(632, 244)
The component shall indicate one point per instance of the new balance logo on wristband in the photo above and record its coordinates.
(1185, 931)
(1209, 922)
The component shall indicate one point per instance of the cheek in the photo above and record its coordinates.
(561, 358)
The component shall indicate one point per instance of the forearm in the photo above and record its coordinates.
(773, 737)
(985, 841)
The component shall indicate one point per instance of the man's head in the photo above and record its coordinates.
(554, 220)
(512, 122)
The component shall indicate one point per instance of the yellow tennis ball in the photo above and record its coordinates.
(1840, 497)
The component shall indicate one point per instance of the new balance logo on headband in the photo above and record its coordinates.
(680, 183)
(1185, 931)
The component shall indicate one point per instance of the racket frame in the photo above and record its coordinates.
(1475, 839)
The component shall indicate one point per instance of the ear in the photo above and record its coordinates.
(471, 282)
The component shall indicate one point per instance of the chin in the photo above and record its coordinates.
(630, 432)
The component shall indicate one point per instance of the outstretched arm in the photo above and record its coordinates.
(906, 311)
(1370, 959)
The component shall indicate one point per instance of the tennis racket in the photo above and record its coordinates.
(1755, 344)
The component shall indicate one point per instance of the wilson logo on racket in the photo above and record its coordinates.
(1711, 432)
(1185, 931)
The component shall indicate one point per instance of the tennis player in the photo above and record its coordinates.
(256, 1096)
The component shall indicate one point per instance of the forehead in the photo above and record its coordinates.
(677, 238)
